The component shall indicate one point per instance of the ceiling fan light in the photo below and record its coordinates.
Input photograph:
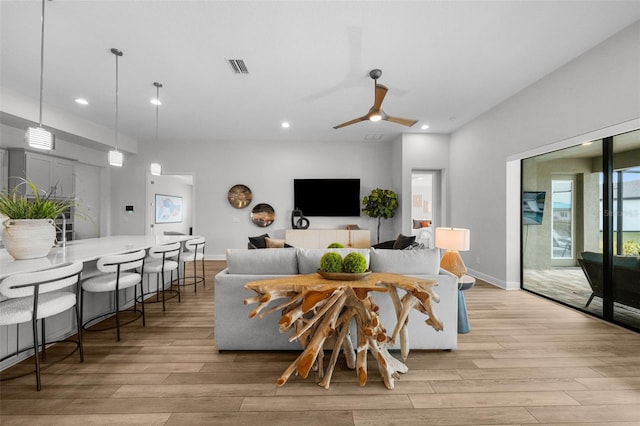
(156, 169)
(375, 117)
(116, 158)
(39, 138)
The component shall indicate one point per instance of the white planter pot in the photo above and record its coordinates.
(28, 238)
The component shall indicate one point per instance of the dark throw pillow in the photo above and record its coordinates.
(403, 241)
(259, 241)
(385, 245)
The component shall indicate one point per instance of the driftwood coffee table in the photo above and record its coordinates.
(317, 308)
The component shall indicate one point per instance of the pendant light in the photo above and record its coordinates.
(156, 168)
(37, 137)
(115, 157)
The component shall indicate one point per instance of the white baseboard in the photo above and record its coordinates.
(505, 285)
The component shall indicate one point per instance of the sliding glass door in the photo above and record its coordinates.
(581, 246)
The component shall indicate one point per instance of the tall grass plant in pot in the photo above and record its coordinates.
(28, 231)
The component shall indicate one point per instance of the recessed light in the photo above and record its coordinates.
(155, 101)
(82, 101)
(587, 143)
(285, 125)
(424, 127)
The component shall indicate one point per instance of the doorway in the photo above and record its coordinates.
(177, 189)
(425, 205)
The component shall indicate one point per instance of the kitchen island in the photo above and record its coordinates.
(87, 251)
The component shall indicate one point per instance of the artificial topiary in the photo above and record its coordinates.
(331, 262)
(335, 245)
(354, 263)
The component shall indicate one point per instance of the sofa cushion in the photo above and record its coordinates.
(407, 262)
(309, 259)
(262, 262)
(624, 261)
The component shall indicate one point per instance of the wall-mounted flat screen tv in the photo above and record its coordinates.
(327, 197)
(532, 207)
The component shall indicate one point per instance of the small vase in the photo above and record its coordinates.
(28, 238)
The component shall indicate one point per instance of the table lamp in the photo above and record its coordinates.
(453, 240)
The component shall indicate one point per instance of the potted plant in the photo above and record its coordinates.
(29, 231)
(381, 203)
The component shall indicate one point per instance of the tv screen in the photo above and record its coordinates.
(327, 197)
(532, 207)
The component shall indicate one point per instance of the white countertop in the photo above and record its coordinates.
(84, 251)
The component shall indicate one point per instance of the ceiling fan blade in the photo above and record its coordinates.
(381, 91)
(404, 121)
(348, 123)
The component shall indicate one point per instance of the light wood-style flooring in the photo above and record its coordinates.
(526, 360)
(569, 285)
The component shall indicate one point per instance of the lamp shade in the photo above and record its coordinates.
(116, 158)
(453, 239)
(156, 169)
(39, 138)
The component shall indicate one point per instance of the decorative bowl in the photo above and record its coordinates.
(343, 276)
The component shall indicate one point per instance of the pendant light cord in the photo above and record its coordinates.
(158, 86)
(117, 53)
(116, 135)
(41, 64)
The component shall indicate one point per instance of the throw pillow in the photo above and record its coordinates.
(384, 245)
(274, 243)
(403, 241)
(425, 224)
(417, 224)
(259, 241)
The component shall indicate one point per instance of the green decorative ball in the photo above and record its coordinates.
(335, 245)
(331, 262)
(354, 263)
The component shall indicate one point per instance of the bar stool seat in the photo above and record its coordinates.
(119, 272)
(34, 296)
(17, 311)
(108, 282)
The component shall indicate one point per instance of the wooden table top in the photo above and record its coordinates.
(373, 282)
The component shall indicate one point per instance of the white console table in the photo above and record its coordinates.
(321, 238)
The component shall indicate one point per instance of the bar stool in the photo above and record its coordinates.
(161, 259)
(194, 252)
(119, 272)
(36, 296)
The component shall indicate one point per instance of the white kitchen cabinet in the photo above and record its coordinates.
(49, 173)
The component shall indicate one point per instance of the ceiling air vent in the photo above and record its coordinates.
(238, 66)
(373, 136)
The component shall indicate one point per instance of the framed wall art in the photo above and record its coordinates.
(168, 208)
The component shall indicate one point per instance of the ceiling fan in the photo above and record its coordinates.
(375, 112)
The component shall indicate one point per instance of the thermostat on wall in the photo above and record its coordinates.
(128, 209)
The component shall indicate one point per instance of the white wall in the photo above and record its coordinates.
(268, 168)
(598, 90)
(423, 152)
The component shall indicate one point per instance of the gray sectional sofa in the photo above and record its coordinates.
(234, 330)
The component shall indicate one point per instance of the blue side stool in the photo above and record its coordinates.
(464, 283)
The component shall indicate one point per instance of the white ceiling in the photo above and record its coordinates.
(444, 62)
